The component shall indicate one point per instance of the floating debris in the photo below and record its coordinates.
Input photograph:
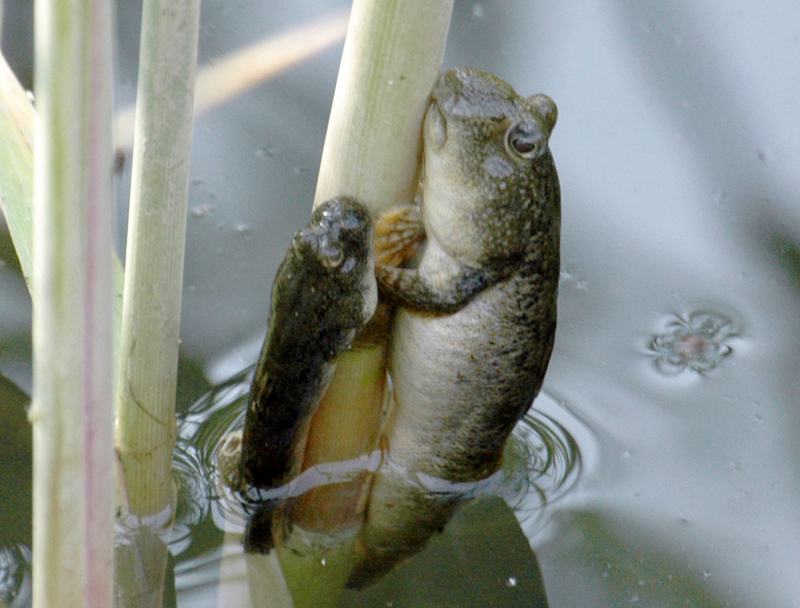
(698, 343)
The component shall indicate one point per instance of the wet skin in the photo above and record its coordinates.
(324, 292)
(476, 322)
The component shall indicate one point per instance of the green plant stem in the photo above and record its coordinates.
(391, 60)
(17, 117)
(16, 166)
(147, 370)
(148, 362)
(72, 325)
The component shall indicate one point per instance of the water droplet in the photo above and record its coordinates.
(477, 10)
(264, 152)
(706, 573)
(202, 211)
(512, 581)
(721, 197)
(582, 285)
(698, 343)
(242, 228)
(634, 599)
(323, 561)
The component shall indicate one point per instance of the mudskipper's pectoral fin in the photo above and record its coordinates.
(399, 232)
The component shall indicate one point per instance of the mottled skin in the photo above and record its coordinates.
(473, 335)
(323, 293)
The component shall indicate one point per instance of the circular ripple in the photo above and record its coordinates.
(200, 437)
(543, 459)
(15, 576)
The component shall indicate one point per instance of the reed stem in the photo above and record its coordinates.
(147, 371)
(72, 413)
(391, 60)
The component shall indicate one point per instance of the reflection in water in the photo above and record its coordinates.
(698, 343)
(15, 576)
(201, 434)
(633, 575)
(193, 497)
(542, 462)
(15, 495)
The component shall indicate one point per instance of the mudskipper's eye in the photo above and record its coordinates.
(332, 256)
(526, 140)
